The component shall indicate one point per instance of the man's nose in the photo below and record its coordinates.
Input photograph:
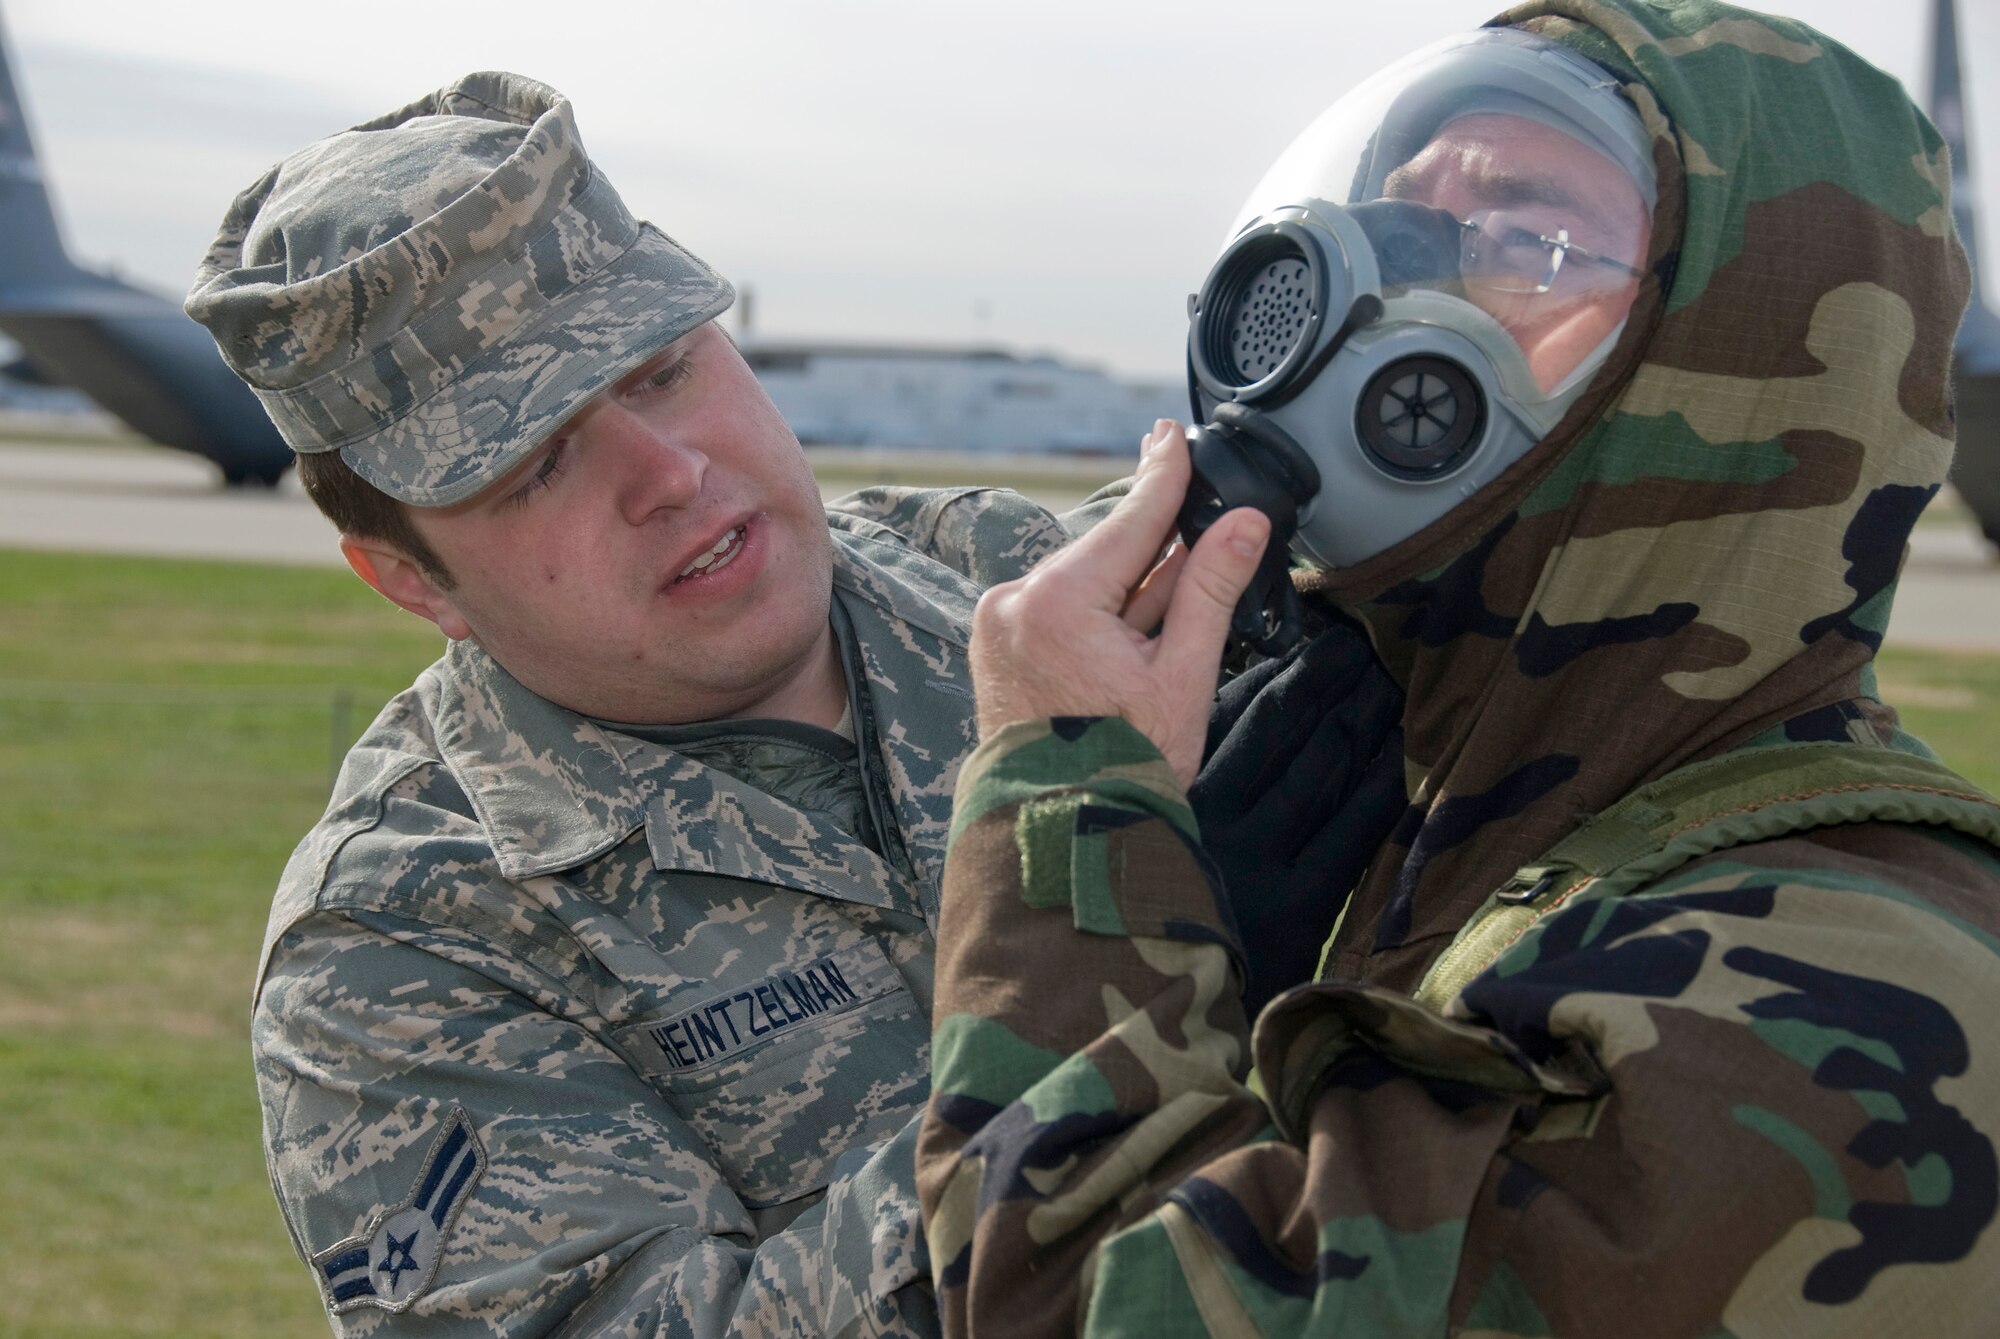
(658, 468)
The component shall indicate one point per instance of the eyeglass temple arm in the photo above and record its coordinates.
(1562, 243)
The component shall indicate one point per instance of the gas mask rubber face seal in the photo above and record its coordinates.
(1411, 298)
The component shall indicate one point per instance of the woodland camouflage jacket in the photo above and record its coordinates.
(561, 1028)
(1756, 1095)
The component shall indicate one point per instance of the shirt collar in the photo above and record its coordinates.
(551, 788)
(554, 789)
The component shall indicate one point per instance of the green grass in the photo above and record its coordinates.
(1951, 699)
(165, 736)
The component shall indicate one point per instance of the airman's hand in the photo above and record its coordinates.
(1071, 638)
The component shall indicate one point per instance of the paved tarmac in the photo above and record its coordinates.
(92, 497)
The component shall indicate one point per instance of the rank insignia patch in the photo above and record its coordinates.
(391, 1263)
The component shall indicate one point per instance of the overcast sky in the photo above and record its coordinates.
(1049, 174)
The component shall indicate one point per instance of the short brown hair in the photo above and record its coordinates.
(360, 509)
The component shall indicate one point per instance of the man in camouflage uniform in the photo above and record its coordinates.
(1721, 1060)
(598, 999)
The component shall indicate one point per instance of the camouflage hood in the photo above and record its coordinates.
(1705, 549)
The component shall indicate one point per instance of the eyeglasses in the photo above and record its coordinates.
(1506, 252)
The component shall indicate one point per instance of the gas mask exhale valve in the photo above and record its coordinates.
(1411, 299)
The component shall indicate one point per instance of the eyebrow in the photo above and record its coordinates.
(1498, 186)
(1517, 188)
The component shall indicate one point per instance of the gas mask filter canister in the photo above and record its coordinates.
(1418, 289)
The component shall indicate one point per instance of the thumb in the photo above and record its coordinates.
(1213, 579)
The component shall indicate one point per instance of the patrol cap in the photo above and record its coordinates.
(435, 291)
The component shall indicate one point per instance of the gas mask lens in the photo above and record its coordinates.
(1412, 297)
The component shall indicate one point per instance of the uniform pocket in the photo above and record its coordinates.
(784, 1073)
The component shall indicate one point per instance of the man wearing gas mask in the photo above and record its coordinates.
(1596, 362)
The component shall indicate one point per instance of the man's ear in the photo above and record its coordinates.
(397, 578)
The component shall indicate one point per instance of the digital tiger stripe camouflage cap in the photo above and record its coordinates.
(433, 292)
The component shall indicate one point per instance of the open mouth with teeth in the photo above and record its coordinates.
(717, 558)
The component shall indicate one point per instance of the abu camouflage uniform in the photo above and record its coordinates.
(607, 1023)
(1753, 1088)
(561, 1027)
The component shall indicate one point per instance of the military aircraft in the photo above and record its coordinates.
(134, 352)
(139, 357)
(1976, 357)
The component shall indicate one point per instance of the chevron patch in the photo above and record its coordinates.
(392, 1263)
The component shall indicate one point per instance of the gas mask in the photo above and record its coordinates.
(1412, 297)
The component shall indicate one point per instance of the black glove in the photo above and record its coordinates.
(1302, 780)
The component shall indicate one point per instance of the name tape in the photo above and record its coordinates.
(730, 1023)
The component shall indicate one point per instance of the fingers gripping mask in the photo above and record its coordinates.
(1412, 297)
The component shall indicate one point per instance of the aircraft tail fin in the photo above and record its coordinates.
(1947, 111)
(33, 253)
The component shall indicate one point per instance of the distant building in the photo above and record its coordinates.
(958, 399)
(869, 395)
